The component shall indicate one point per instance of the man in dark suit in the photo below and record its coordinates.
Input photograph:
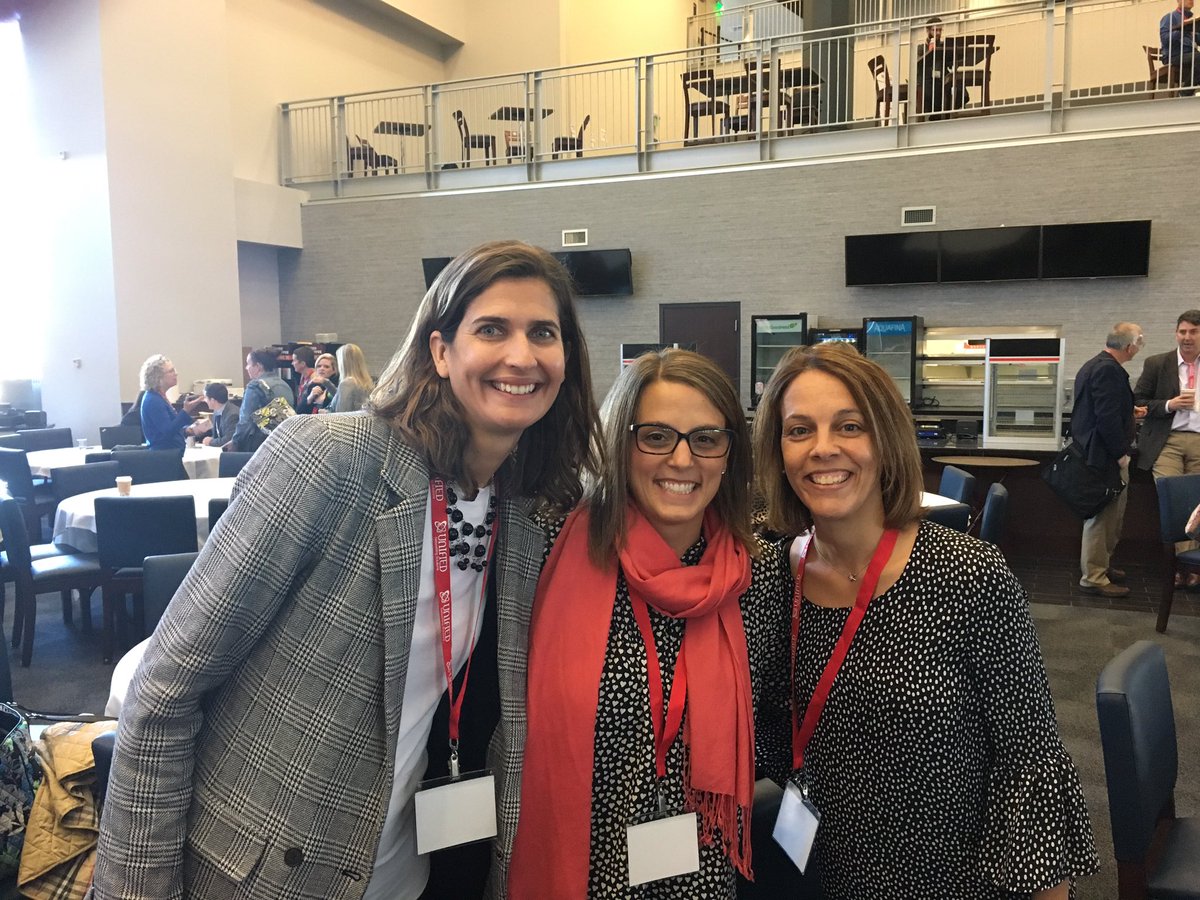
(1102, 425)
(224, 414)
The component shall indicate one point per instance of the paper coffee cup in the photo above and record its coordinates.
(124, 483)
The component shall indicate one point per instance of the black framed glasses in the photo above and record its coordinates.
(661, 440)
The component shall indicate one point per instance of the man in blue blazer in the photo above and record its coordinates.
(1102, 424)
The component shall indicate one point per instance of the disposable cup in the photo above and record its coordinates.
(124, 484)
(81, 443)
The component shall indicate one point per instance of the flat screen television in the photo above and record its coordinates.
(1096, 250)
(433, 266)
(892, 258)
(990, 254)
(599, 272)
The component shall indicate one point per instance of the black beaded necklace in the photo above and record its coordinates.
(468, 542)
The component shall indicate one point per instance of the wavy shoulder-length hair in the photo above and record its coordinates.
(553, 452)
(353, 364)
(154, 372)
(607, 494)
(889, 425)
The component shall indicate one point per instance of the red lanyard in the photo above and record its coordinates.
(440, 527)
(666, 728)
(802, 733)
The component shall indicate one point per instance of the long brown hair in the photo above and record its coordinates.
(889, 424)
(553, 452)
(606, 495)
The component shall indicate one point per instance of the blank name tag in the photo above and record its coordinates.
(458, 812)
(663, 848)
(796, 825)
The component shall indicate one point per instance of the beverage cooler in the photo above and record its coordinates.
(896, 343)
(770, 338)
(1023, 393)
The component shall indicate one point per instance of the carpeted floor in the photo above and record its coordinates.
(1079, 634)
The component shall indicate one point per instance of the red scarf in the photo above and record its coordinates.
(572, 614)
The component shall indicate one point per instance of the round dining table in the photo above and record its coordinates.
(75, 520)
(199, 461)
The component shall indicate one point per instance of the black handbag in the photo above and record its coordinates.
(1085, 489)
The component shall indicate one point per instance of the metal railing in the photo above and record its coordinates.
(1036, 56)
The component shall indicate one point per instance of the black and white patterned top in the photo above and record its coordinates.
(937, 766)
(623, 785)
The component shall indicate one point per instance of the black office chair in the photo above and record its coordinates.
(994, 515)
(103, 748)
(53, 574)
(955, 515)
(35, 500)
(232, 462)
(162, 576)
(34, 419)
(957, 484)
(67, 481)
(216, 509)
(46, 438)
(1141, 762)
(128, 529)
(1178, 495)
(11, 441)
(97, 456)
(114, 435)
(150, 466)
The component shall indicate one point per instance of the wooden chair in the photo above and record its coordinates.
(1161, 76)
(886, 93)
(570, 143)
(484, 142)
(515, 146)
(700, 81)
(373, 161)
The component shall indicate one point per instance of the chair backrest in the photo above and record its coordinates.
(1153, 56)
(128, 529)
(36, 418)
(953, 515)
(11, 441)
(161, 578)
(103, 748)
(16, 538)
(98, 456)
(1137, 735)
(149, 466)
(586, 120)
(463, 131)
(14, 471)
(231, 462)
(68, 481)
(46, 438)
(112, 435)
(1178, 495)
(957, 484)
(216, 509)
(692, 80)
(994, 515)
(879, 71)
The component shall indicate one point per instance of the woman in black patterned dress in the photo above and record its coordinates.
(657, 572)
(935, 763)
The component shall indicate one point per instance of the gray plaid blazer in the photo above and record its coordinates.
(255, 752)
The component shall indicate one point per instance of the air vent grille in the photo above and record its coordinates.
(918, 215)
(575, 237)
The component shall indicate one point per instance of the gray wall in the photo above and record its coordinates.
(771, 238)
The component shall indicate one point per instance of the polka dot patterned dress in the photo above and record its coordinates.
(623, 784)
(937, 765)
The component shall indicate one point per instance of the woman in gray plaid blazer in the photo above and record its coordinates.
(257, 748)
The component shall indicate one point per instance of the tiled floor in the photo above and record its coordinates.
(1058, 583)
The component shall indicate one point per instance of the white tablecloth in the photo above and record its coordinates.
(75, 521)
(929, 501)
(200, 462)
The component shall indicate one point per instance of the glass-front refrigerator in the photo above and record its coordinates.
(770, 338)
(896, 343)
(1023, 393)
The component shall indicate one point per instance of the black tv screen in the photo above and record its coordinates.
(990, 254)
(892, 258)
(433, 266)
(599, 272)
(1096, 250)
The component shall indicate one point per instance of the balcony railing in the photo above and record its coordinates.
(1022, 69)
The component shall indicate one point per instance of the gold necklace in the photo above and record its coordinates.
(829, 563)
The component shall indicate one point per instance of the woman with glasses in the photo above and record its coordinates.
(658, 644)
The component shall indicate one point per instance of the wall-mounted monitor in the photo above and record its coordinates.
(433, 266)
(989, 254)
(599, 272)
(1096, 250)
(892, 258)
(851, 336)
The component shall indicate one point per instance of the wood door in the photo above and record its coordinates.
(712, 329)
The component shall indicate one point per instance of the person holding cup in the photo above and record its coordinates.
(163, 427)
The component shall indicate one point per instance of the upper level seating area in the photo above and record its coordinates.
(1020, 70)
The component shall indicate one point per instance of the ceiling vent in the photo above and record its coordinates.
(918, 215)
(575, 237)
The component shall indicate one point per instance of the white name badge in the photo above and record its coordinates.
(457, 812)
(796, 825)
(663, 848)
